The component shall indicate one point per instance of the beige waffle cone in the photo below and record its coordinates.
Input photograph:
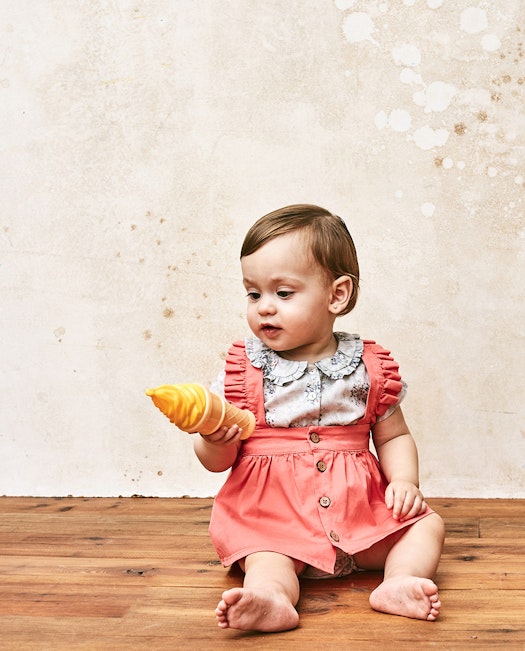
(220, 413)
(241, 417)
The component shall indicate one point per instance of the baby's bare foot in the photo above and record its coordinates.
(256, 610)
(409, 596)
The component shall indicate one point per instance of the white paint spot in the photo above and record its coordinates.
(344, 4)
(358, 27)
(448, 163)
(428, 138)
(406, 55)
(490, 42)
(383, 7)
(492, 172)
(460, 164)
(518, 180)
(473, 20)
(409, 3)
(434, 4)
(408, 76)
(428, 209)
(399, 194)
(400, 120)
(475, 97)
(381, 120)
(436, 97)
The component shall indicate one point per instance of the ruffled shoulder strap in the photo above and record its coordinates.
(243, 382)
(385, 381)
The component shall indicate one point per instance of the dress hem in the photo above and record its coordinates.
(231, 559)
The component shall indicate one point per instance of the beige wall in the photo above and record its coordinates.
(139, 140)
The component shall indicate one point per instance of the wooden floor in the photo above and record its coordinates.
(141, 573)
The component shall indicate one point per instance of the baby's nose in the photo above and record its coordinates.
(266, 305)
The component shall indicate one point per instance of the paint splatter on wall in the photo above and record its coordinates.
(139, 144)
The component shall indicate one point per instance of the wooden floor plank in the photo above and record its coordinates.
(106, 574)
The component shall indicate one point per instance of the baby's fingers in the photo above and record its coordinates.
(400, 505)
(413, 507)
(225, 435)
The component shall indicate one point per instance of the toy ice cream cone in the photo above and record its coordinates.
(193, 408)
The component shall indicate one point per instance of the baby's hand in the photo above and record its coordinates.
(224, 436)
(405, 499)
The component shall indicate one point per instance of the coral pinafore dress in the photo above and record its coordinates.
(305, 492)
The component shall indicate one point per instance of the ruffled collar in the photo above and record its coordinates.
(280, 371)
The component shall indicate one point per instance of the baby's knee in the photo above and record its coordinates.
(435, 522)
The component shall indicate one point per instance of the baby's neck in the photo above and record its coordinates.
(311, 354)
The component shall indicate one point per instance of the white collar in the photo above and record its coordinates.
(280, 371)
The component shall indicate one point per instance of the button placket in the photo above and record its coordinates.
(322, 482)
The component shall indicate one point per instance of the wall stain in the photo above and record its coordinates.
(59, 333)
(168, 313)
(505, 79)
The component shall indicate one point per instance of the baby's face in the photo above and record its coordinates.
(289, 299)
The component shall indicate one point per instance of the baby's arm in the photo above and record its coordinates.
(397, 454)
(218, 451)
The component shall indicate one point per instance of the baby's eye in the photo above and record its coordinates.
(284, 293)
(253, 296)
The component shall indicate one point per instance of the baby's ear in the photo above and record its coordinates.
(341, 292)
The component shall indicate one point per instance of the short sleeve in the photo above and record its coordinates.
(392, 408)
(386, 387)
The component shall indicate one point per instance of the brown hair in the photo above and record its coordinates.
(328, 238)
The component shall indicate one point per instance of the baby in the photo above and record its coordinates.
(315, 501)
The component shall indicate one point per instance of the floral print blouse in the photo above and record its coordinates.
(332, 391)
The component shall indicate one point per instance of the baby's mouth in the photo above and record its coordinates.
(270, 330)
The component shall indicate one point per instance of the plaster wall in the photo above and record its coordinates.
(140, 140)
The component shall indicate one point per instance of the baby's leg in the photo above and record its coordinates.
(267, 600)
(407, 588)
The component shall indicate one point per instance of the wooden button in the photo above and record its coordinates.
(321, 466)
(325, 502)
(314, 437)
